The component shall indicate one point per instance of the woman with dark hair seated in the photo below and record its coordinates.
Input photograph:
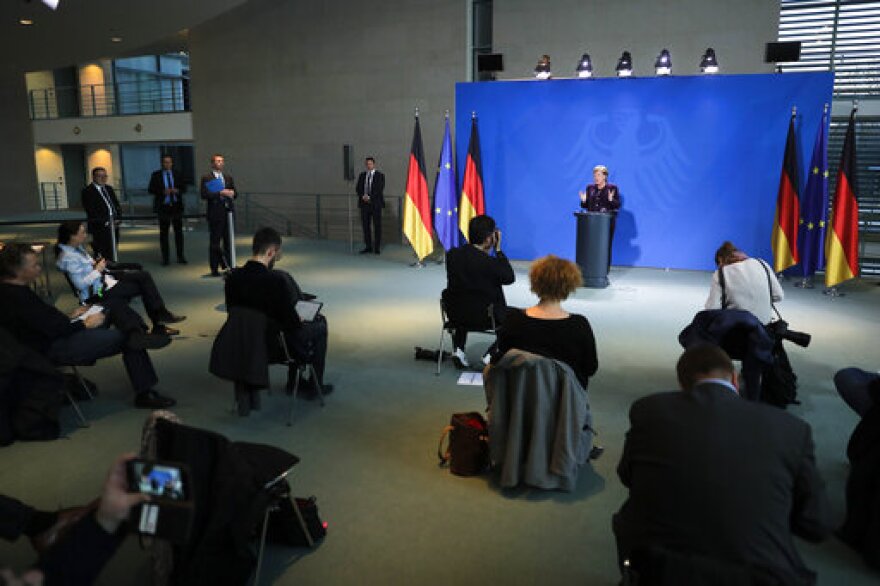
(547, 329)
(95, 284)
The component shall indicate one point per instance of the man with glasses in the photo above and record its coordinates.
(100, 203)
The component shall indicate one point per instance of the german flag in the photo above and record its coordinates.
(417, 202)
(785, 224)
(842, 240)
(473, 203)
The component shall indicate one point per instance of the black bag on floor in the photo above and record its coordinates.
(285, 528)
(467, 452)
(778, 381)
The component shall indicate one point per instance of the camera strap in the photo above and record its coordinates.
(723, 287)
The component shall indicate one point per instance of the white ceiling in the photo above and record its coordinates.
(80, 30)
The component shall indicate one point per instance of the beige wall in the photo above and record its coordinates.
(279, 87)
(107, 156)
(95, 98)
(20, 193)
(175, 127)
(565, 29)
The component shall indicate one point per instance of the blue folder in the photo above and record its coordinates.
(215, 185)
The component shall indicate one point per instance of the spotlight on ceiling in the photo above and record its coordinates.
(624, 65)
(663, 65)
(709, 63)
(585, 66)
(115, 39)
(25, 22)
(542, 69)
(53, 4)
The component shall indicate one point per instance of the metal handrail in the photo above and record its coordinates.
(165, 94)
(333, 216)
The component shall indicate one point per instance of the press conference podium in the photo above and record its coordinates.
(592, 248)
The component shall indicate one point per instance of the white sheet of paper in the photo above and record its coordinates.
(471, 378)
(91, 311)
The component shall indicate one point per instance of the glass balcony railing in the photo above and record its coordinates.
(153, 96)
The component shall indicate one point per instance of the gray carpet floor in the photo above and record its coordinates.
(369, 454)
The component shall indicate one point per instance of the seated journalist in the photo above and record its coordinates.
(718, 483)
(257, 286)
(78, 339)
(473, 281)
(111, 289)
(547, 329)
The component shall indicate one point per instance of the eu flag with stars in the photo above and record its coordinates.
(445, 200)
(814, 206)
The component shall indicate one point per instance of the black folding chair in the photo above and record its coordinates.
(487, 326)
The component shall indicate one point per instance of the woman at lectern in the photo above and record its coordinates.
(600, 195)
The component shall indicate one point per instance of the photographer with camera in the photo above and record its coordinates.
(744, 283)
(748, 284)
(474, 281)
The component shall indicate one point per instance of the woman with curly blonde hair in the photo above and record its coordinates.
(547, 329)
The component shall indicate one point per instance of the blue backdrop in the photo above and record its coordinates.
(697, 159)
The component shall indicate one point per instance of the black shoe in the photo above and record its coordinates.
(377, 251)
(145, 341)
(153, 400)
(596, 452)
(214, 274)
(182, 261)
(166, 317)
(165, 263)
(367, 250)
(163, 330)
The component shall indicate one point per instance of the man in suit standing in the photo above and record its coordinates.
(99, 202)
(370, 191)
(473, 281)
(219, 203)
(716, 477)
(167, 188)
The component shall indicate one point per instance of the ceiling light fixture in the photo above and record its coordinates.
(25, 21)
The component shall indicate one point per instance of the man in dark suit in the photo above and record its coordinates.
(257, 286)
(718, 478)
(473, 281)
(370, 191)
(219, 203)
(99, 201)
(167, 188)
(77, 339)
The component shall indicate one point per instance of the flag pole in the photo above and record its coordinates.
(418, 264)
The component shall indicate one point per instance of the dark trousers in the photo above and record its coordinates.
(102, 243)
(220, 254)
(137, 284)
(472, 318)
(309, 342)
(372, 214)
(86, 346)
(171, 218)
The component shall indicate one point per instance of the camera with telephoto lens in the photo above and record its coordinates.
(780, 330)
